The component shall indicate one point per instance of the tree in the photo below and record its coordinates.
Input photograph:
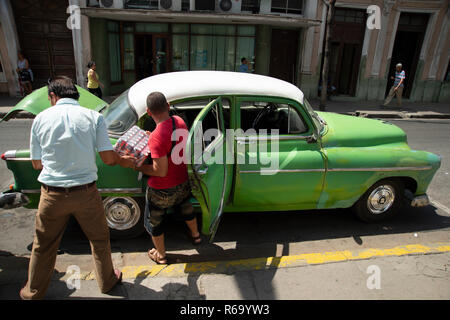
(326, 54)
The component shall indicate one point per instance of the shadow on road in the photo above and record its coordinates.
(253, 233)
(257, 235)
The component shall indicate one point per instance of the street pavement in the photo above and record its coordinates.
(313, 257)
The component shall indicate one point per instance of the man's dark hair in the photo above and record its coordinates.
(156, 102)
(243, 59)
(63, 87)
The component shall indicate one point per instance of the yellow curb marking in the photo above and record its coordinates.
(232, 266)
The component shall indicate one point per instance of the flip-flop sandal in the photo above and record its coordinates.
(119, 275)
(195, 240)
(154, 257)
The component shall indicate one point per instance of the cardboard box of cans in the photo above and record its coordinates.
(134, 143)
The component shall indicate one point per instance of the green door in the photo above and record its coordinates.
(206, 153)
(280, 163)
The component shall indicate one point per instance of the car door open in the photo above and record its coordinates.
(205, 154)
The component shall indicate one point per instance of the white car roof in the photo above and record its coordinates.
(186, 84)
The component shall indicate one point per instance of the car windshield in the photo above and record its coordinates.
(318, 121)
(119, 116)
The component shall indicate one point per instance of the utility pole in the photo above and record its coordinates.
(326, 54)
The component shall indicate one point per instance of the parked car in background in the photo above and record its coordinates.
(269, 151)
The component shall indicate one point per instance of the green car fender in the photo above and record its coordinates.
(37, 101)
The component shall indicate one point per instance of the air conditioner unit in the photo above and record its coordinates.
(229, 6)
(172, 5)
(111, 4)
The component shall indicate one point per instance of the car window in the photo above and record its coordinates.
(188, 110)
(317, 120)
(119, 116)
(270, 115)
(210, 130)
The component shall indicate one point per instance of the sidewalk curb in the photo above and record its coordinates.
(230, 267)
(399, 114)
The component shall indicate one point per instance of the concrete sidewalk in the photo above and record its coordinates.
(403, 272)
(368, 109)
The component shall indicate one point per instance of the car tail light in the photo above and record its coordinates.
(9, 155)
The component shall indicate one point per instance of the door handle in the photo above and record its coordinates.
(202, 171)
(246, 141)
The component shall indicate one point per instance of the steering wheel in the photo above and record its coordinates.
(270, 108)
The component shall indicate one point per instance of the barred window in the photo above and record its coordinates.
(287, 6)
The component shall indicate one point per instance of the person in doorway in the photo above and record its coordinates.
(63, 144)
(397, 87)
(331, 90)
(168, 184)
(93, 83)
(25, 73)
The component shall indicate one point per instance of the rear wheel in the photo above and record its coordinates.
(125, 216)
(382, 201)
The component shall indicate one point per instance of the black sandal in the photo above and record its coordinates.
(194, 240)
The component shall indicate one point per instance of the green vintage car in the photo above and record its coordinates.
(254, 144)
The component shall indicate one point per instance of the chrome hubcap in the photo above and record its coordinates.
(381, 199)
(121, 213)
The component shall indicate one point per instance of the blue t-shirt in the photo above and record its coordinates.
(398, 76)
(66, 138)
(243, 68)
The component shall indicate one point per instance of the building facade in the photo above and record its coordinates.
(133, 39)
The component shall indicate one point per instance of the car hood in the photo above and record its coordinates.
(350, 131)
(37, 101)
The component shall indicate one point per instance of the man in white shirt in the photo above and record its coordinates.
(64, 141)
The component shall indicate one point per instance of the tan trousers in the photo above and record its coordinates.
(52, 217)
(391, 94)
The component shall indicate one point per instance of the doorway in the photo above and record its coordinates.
(407, 47)
(283, 54)
(343, 72)
(45, 39)
(151, 52)
(347, 37)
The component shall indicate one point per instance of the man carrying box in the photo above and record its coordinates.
(168, 183)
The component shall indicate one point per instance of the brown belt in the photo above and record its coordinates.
(67, 190)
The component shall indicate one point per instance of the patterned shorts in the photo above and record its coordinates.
(159, 200)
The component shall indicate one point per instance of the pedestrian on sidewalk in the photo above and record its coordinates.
(63, 144)
(397, 87)
(93, 83)
(168, 184)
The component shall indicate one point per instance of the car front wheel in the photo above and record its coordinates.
(125, 216)
(381, 201)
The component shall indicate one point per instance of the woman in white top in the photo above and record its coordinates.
(24, 72)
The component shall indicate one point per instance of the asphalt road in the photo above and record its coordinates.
(282, 232)
(245, 235)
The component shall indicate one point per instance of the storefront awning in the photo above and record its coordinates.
(159, 16)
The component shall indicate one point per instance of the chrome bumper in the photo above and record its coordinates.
(13, 200)
(420, 201)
